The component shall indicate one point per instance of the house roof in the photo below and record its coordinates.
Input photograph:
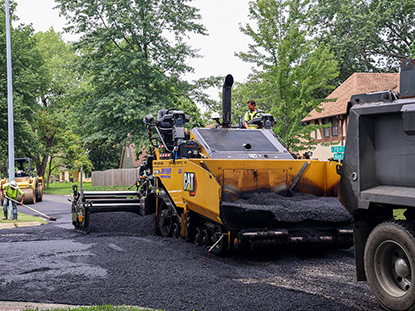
(357, 83)
(136, 161)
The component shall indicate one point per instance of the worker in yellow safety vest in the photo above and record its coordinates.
(12, 191)
(250, 114)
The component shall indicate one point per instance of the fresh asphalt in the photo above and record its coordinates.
(123, 262)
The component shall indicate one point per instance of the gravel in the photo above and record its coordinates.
(122, 261)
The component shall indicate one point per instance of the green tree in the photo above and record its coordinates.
(366, 35)
(135, 54)
(67, 151)
(242, 92)
(26, 82)
(103, 154)
(54, 121)
(200, 96)
(293, 71)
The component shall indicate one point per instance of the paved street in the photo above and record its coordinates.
(122, 261)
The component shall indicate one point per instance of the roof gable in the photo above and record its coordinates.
(357, 83)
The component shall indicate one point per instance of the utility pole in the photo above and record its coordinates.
(10, 98)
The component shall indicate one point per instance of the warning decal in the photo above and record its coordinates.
(189, 183)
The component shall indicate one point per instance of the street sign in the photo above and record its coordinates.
(338, 156)
(336, 149)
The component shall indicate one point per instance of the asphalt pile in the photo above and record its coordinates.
(299, 207)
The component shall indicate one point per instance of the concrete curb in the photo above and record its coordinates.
(20, 306)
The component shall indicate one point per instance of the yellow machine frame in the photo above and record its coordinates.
(198, 185)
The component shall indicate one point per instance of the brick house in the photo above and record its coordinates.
(335, 112)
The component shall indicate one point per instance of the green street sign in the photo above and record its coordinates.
(338, 156)
(336, 149)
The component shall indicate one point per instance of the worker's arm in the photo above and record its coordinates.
(246, 119)
(21, 202)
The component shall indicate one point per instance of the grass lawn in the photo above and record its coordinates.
(398, 214)
(66, 188)
(23, 217)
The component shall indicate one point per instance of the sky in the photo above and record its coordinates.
(221, 18)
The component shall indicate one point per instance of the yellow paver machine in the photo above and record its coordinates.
(228, 187)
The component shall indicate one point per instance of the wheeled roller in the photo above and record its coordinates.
(39, 189)
(29, 196)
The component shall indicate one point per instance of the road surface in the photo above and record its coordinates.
(122, 261)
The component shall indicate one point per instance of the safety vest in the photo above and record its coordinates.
(13, 195)
(249, 116)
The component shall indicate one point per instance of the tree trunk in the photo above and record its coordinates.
(50, 171)
(41, 163)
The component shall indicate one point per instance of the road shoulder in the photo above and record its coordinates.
(17, 224)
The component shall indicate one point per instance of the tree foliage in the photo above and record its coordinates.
(134, 52)
(366, 35)
(57, 99)
(26, 82)
(293, 70)
(72, 105)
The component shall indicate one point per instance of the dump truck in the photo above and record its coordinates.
(32, 186)
(378, 188)
(227, 187)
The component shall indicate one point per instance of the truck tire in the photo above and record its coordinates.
(389, 260)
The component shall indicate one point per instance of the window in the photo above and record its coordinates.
(334, 127)
(326, 130)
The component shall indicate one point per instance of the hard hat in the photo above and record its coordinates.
(13, 185)
(215, 116)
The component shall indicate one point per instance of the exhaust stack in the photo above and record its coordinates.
(227, 101)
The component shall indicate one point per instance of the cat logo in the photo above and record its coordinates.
(189, 183)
